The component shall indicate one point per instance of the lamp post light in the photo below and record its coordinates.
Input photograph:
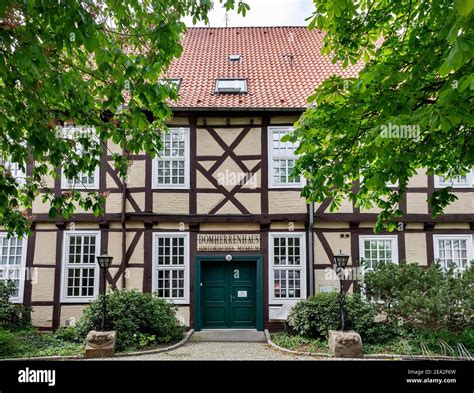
(340, 261)
(104, 262)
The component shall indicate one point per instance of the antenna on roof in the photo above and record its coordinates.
(226, 17)
(290, 56)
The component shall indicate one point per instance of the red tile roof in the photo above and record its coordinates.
(283, 65)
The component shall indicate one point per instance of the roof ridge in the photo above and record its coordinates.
(246, 27)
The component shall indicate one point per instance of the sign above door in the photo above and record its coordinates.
(228, 242)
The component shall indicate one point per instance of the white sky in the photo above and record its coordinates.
(262, 13)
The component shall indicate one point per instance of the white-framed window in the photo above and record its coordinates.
(376, 249)
(171, 266)
(282, 159)
(171, 168)
(80, 270)
(84, 180)
(453, 250)
(15, 170)
(287, 261)
(174, 83)
(465, 181)
(12, 263)
(231, 85)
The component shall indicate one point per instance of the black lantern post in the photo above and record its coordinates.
(104, 262)
(341, 262)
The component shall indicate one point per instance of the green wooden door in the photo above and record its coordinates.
(228, 297)
(214, 294)
(242, 299)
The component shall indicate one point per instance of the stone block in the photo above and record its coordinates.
(100, 344)
(347, 344)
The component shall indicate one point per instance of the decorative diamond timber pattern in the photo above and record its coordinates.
(229, 191)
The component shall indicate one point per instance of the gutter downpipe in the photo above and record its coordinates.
(311, 248)
(124, 232)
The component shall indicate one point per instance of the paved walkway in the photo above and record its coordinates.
(220, 351)
(223, 344)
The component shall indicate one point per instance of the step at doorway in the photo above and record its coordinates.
(228, 335)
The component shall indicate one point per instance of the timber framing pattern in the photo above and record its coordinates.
(134, 211)
(235, 182)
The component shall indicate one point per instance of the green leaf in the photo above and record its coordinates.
(454, 60)
(52, 212)
(464, 7)
(64, 63)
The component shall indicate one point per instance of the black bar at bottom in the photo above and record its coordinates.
(209, 376)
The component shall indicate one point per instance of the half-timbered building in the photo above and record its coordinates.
(216, 224)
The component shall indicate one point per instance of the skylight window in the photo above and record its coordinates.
(229, 86)
(172, 82)
(234, 58)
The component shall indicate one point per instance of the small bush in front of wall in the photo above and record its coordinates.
(13, 316)
(69, 334)
(8, 343)
(422, 298)
(314, 317)
(134, 315)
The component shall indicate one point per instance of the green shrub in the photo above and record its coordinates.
(8, 343)
(423, 298)
(411, 343)
(133, 314)
(69, 334)
(146, 340)
(13, 316)
(33, 343)
(432, 338)
(298, 343)
(314, 317)
(397, 346)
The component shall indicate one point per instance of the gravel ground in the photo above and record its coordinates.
(220, 351)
